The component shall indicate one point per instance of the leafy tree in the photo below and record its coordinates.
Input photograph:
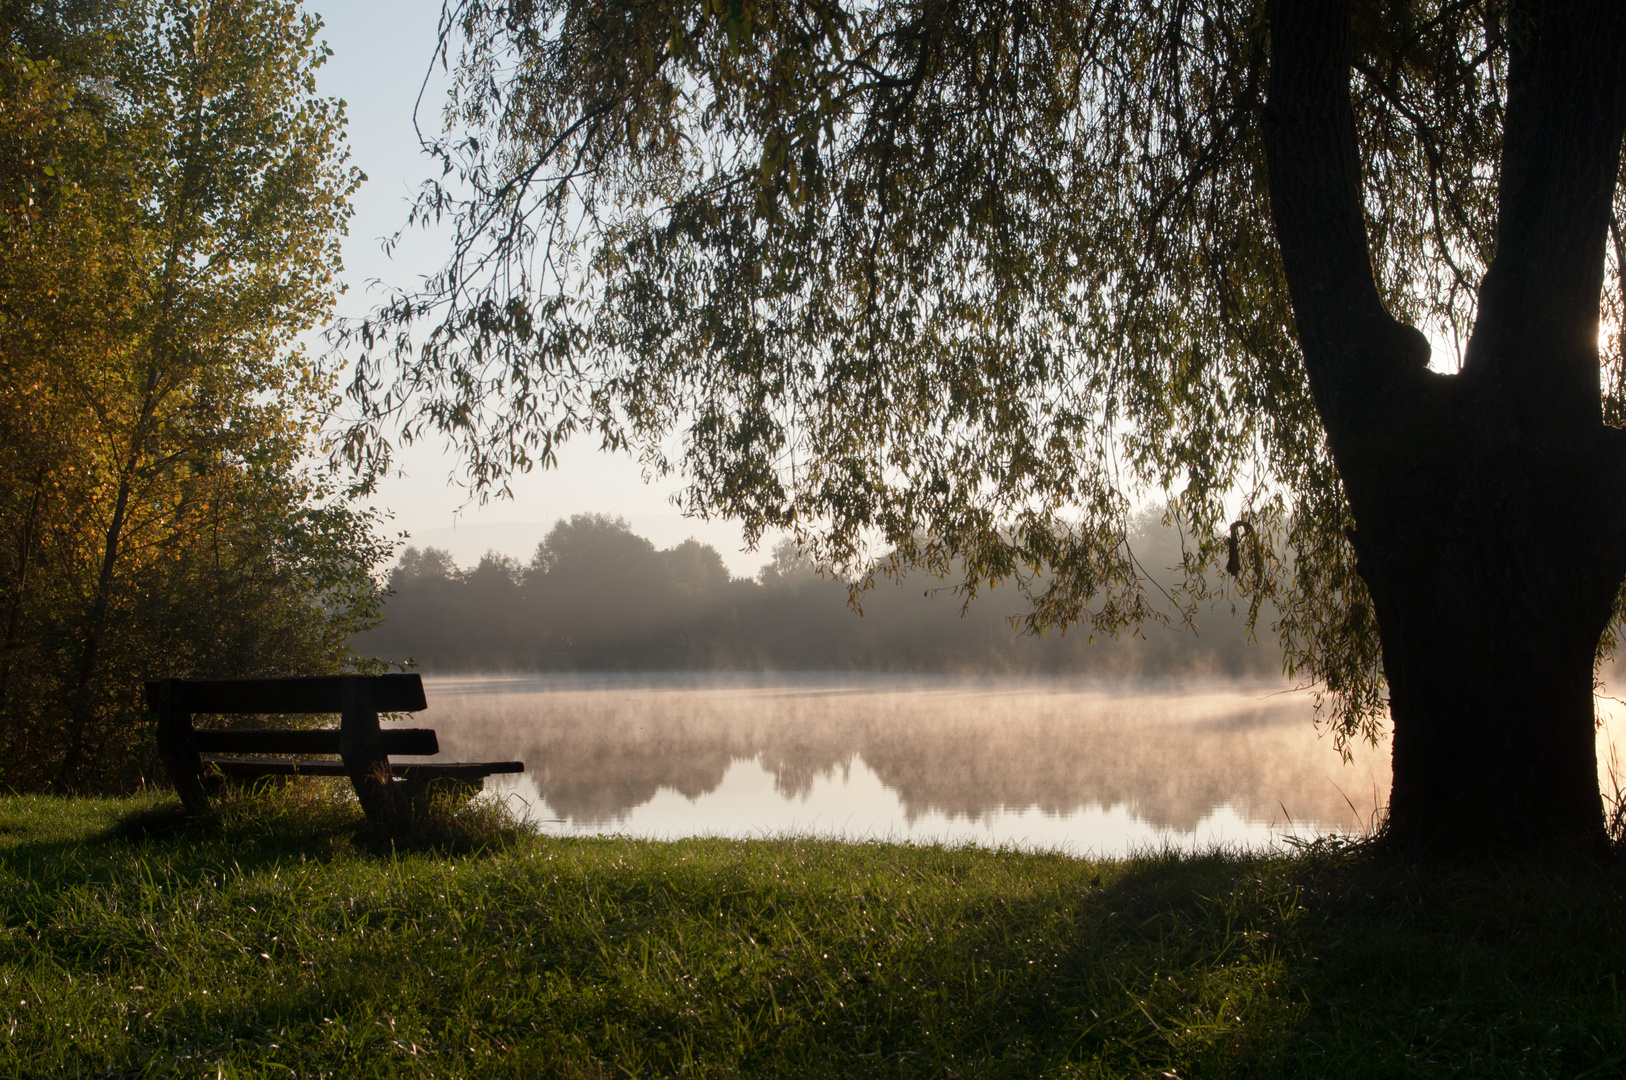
(173, 204)
(600, 584)
(964, 281)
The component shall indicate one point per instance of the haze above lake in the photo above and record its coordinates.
(1086, 765)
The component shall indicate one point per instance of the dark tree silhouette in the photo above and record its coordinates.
(1490, 529)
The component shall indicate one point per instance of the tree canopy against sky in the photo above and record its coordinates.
(173, 195)
(967, 281)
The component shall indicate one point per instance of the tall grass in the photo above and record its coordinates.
(283, 939)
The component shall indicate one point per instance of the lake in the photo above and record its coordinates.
(1085, 765)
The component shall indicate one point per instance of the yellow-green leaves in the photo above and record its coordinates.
(172, 197)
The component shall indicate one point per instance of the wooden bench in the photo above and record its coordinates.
(386, 791)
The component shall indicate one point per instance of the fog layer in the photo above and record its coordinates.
(597, 747)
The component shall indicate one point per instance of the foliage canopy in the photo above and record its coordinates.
(174, 193)
(963, 282)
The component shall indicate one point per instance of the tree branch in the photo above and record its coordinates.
(1536, 336)
(1356, 353)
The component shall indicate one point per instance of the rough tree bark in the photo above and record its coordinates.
(1490, 530)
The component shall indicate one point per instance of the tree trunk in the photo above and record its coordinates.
(81, 699)
(1490, 526)
(1490, 598)
(26, 537)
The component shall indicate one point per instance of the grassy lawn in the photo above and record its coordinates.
(281, 941)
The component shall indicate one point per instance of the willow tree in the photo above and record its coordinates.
(966, 281)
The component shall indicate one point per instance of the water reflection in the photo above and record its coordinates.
(1094, 765)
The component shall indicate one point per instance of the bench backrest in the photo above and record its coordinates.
(296, 694)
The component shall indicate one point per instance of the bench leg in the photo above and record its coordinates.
(380, 795)
(361, 745)
(179, 749)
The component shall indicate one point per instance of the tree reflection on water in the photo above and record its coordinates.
(598, 746)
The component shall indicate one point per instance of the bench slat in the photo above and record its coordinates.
(275, 766)
(317, 741)
(454, 770)
(430, 769)
(295, 694)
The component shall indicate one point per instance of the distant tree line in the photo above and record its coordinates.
(595, 596)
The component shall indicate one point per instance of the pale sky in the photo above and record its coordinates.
(380, 54)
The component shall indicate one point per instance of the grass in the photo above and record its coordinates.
(282, 940)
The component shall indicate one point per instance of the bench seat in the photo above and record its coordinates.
(252, 767)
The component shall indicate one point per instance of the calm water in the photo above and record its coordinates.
(1088, 766)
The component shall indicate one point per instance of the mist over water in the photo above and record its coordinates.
(1092, 765)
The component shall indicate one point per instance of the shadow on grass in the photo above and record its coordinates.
(815, 958)
(1387, 966)
(248, 829)
(1343, 960)
(314, 816)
